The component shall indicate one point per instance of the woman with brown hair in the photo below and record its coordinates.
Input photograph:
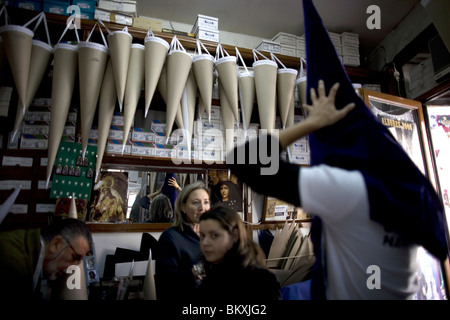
(234, 267)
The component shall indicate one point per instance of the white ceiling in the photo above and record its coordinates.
(265, 18)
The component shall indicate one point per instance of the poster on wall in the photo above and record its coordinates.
(72, 173)
(109, 203)
(225, 189)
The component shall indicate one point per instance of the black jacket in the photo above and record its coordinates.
(229, 281)
(178, 251)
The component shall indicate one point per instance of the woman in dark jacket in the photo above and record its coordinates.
(233, 264)
(178, 246)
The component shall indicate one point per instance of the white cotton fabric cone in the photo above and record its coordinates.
(65, 70)
(62, 291)
(106, 106)
(119, 43)
(18, 41)
(149, 287)
(247, 94)
(301, 87)
(92, 59)
(73, 208)
(6, 206)
(285, 88)
(162, 88)
(265, 85)
(41, 53)
(191, 96)
(203, 68)
(227, 118)
(178, 68)
(135, 80)
(155, 56)
(227, 70)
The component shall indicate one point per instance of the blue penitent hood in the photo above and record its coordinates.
(401, 198)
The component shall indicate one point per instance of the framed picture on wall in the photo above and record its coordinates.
(225, 188)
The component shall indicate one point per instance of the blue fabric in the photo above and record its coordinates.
(297, 291)
(168, 190)
(400, 197)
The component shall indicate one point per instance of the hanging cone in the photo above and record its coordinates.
(191, 95)
(227, 69)
(18, 41)
(149, 287)
(247, 95)
(107, 104)
(155, 55)
(65, 67)
(135, 80)
(227, 119)
(92, 59)
(162, 88)
(203, 66)
(290, 123)
(265, 86)
(178, 66)
(40, 57)
(285, 88)
(301, 87)
(73, 208)
(6, 206)
(119, 43)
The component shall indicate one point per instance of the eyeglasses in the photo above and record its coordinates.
(76, 257)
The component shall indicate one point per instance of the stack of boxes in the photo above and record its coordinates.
(116, 11)
(300, 147)
(36, 126)
(350, 49)
(421, 78)
(206, 28)
(288, 43)
(87, 7)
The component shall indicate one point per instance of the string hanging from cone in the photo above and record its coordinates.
(246, 93)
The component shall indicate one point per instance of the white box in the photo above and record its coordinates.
(300, 158)
(301, 43)
(215, 114)
(163, 150)
(206, 22)
(140, 148)
(120, 6)
(115, 146)
(143, 134)
(335, 38)
(352, 61)
(158, 126)
(301, 53)
(117, 119)
(286, 39)
(348, 38)
(288, 50)
(350, 50)
(269, 46)
(206, 34)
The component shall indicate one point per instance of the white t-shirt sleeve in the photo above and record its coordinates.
(331, 193)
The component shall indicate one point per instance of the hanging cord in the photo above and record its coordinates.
(67, 28)
(274, 58)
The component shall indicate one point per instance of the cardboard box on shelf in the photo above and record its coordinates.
(147, 23)
(114, 146)
(348, 38)
(270, 46)
(141, 148)
(287, 39)
(206, 34)
(206, 22)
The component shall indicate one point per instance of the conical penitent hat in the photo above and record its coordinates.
(41, 53)
(247, 94)
(285, 91)
(265, 85)
(203, 67)
(65, 70)
(135, 80)
(106, 106)
(400, 197)
(92, 59)
(155, 56)
(227, 69)
(119, 43)
(179, 64)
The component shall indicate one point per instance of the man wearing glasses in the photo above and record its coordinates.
(31, 257)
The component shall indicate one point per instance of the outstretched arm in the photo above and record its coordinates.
(322, 113)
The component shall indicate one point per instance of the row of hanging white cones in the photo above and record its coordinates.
(118, 69)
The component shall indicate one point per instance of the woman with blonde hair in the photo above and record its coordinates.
(179, 247)
(234, 265)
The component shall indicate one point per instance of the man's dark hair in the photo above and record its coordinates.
(69, 228)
